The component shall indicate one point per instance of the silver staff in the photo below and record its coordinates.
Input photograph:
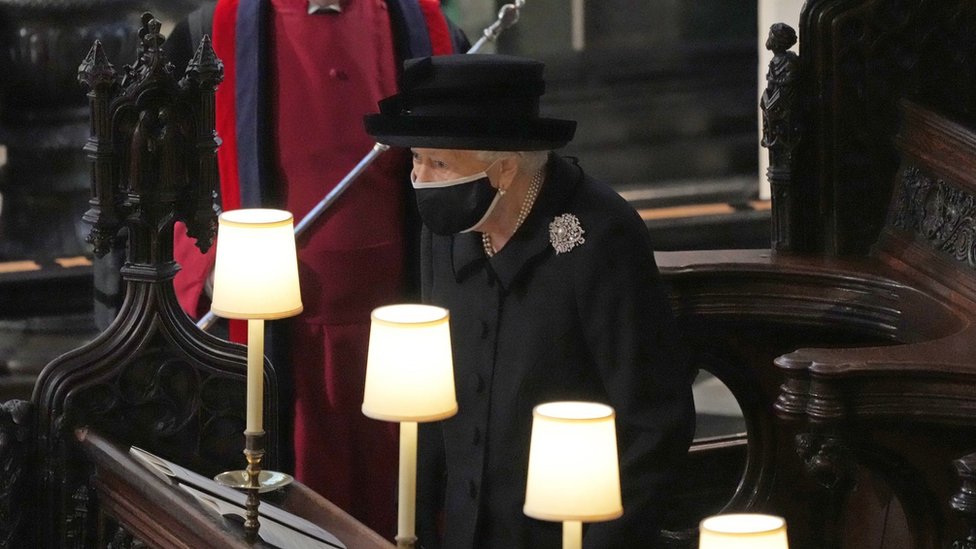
(508, 15)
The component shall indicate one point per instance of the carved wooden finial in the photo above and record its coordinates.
(205, 67)
(96, 71)
(149, 35)
(151, 60)
(203, 73)
(98, 74)
(153, 149)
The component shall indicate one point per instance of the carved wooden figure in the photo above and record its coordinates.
(780, 134)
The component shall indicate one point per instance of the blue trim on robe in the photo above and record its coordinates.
(250, 57)
(405, 15)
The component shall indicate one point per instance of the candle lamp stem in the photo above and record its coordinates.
(255, 375)
(406, 510)
(572, 534)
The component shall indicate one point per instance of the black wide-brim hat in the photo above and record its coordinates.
(472, 102)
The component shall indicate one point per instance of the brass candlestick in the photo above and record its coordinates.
(255, 279)
(254, 452)
(253, 480)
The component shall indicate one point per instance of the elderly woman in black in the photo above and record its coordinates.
(554, 294)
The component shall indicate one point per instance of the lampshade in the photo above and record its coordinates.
(409, 369)
(573, 471)
(743, 531)
(256, 272)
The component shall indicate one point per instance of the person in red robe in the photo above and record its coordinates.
(299, 76)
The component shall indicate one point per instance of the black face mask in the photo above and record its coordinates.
(455, 206)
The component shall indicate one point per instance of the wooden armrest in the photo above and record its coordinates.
(151, 509)
(308, 504)
(917, 358)
(862, 294)
(157, 512)
(926, 381)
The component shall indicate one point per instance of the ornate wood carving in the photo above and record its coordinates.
(146, 153)
(16, 453)
(831, 464)
(781, 134)
(964, 501)
(859, 58)
(888, 410)
(152, 379)
(883, 402)
(827, 459)
(122, 538)
(938, 212)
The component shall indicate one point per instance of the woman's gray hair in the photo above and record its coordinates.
(529, 162)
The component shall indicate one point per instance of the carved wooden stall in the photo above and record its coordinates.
(851, 343)
(152, 378)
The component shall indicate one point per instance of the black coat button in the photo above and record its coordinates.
(480, 384)
(485, 330)
(477, 436)
(472, 489)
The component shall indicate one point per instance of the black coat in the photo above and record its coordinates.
(530, 326)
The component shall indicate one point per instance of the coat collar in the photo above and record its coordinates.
(532, 238)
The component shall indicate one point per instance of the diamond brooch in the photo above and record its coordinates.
(565, 233)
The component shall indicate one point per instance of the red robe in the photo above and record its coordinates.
(321, 74)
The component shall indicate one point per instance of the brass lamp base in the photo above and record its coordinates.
(406, 542)
(253, 480)
(268, 481)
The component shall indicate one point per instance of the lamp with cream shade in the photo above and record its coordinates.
(409, 379)
(574, 475)
(255, 279)
(743, 531)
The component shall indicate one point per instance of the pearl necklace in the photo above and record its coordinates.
(527, 203)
